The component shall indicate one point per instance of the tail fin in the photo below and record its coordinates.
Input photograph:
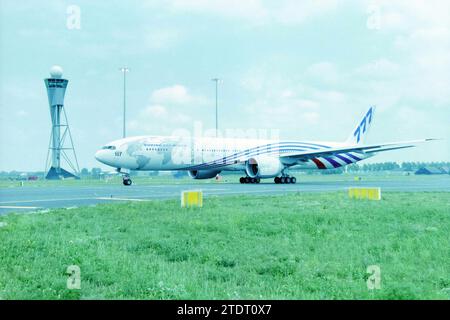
(360, 132)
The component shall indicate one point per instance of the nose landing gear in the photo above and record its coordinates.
(127, 181)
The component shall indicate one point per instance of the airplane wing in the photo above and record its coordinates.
(356, 148)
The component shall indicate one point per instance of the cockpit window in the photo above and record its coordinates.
(109, 148)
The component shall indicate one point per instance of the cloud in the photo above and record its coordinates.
(324, 100)
(161, 38)
(156, 111)
(158, 119)
(251, 10)
(149, 38)
(22, 113)
(380, 68)
(177, 95)
(406, 15)
(169, 109)
(325, 72)
(287, 101)
(311, 117)
(421, 37)
(255, 12)
(294, 12)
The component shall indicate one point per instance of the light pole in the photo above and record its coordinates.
(217, 80)
(124, 71)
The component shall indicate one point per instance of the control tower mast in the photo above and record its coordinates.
(61, 148)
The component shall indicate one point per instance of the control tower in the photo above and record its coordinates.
(61, 147)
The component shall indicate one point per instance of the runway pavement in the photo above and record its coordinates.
(26, 199)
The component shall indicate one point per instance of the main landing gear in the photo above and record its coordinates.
(285, 180)
(277, 180)
(127, 180)
(249, 180)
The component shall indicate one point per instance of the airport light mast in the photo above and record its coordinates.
(124, 71)
(217, 80)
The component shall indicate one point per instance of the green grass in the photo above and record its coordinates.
(297, 246)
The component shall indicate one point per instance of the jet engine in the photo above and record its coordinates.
(203, 174)
(263, 167)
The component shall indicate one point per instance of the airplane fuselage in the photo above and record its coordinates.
(205, 157)
(177, 153)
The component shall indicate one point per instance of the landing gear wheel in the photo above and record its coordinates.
(127, 181)
(249, 180)
(285, 180)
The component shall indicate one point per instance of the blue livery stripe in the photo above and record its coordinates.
(347, 161)
(353, 157)
(333, 163)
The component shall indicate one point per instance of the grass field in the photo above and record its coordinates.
(297, 246)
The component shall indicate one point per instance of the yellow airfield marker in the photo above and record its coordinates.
(191, 198)
(365, 193)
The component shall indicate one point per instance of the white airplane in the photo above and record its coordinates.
(205, 158)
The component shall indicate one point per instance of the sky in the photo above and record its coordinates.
(304, 70)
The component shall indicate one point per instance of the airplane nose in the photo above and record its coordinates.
(100, 156)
